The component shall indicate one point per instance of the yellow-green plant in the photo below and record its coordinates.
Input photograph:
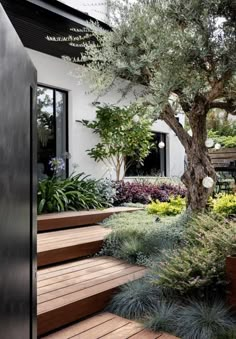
(173, 207)
(225, 204)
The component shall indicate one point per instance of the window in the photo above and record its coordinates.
(51, 128)
(155, 162)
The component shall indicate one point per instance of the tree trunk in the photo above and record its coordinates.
(199, 164)
(199, 167)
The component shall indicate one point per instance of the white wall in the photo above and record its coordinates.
(55, 72)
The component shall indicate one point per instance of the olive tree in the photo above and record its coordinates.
(184, 55)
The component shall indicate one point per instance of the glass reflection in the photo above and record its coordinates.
(51, 128)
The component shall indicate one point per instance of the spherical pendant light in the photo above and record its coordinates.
(161, 144)
(209, 143)
(208, 182)
(217, 146)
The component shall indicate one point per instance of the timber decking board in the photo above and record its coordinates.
(61, 220)
(76, 294)
(75, 287)
(59, 246)
(107, 325)
(81, 275)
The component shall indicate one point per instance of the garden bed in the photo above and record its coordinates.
(184, 292)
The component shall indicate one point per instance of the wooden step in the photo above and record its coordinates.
(54, 221)
(69, 292)
(109, 326)
(69, 244)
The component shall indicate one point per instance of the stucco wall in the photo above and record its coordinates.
(55, 72)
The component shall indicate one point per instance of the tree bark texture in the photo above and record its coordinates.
(198, 161)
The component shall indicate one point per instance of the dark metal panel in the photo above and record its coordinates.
(17, 187)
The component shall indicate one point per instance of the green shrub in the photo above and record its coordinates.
(201, 262)
(226, 141)
(225, 204)
(223, 127)
(200, 320)
(175, 206)
(74, 193)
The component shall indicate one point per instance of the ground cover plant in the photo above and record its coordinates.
(144, 192)
(184, 290)
(138, 236)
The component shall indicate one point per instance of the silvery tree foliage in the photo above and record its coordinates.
(183, 53)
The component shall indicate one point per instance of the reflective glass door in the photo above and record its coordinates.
(52, 130)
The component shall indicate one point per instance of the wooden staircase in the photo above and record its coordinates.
(73, 285)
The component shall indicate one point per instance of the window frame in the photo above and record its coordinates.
(56, 89)
(163, 155)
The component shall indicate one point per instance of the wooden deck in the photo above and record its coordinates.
(77, 289)
(69, 244)
(55, 221)
(109, 326)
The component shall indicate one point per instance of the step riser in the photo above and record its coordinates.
(68, 253)
(75, 310)
(61, 223)
(57, 221)
(70, 313)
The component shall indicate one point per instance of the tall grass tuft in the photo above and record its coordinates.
(164, 318)
(201, 320)
(135, 300)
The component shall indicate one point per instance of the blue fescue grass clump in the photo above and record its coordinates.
(136, 300)
(193, 320)
(164, 318)
(201, 320)
(161, 310)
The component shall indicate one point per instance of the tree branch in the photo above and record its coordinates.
(228, 106)
(218, 87)
(169, 117)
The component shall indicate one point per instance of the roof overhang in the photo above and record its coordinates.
(35, 20)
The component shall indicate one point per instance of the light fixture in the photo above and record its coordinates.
(217, 146)
(208, 182)
(209, 143)
(161, 144)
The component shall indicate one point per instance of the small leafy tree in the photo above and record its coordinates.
(125, 136)
(175, 48)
